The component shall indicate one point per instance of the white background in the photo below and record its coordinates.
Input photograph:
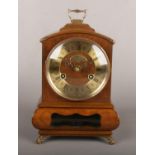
(115, 19)
(145, 82)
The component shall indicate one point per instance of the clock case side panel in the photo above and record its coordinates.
(49, 97)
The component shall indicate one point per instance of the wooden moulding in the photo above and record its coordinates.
(74, 133)
(75, 105)
(42, 118)
(77, 28)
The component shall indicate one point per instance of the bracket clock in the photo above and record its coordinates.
(76, 83)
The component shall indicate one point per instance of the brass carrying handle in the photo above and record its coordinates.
(77, 11)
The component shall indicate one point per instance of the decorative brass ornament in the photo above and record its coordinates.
(77, 69)
(76, 12)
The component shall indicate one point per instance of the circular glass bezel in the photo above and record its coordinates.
(59, 92)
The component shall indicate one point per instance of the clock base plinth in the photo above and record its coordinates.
(75, 121)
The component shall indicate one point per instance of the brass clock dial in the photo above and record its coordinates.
(77, 69)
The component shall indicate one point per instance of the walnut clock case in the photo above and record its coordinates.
(76, 84)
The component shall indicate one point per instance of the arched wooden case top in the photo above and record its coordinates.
(70, 31)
